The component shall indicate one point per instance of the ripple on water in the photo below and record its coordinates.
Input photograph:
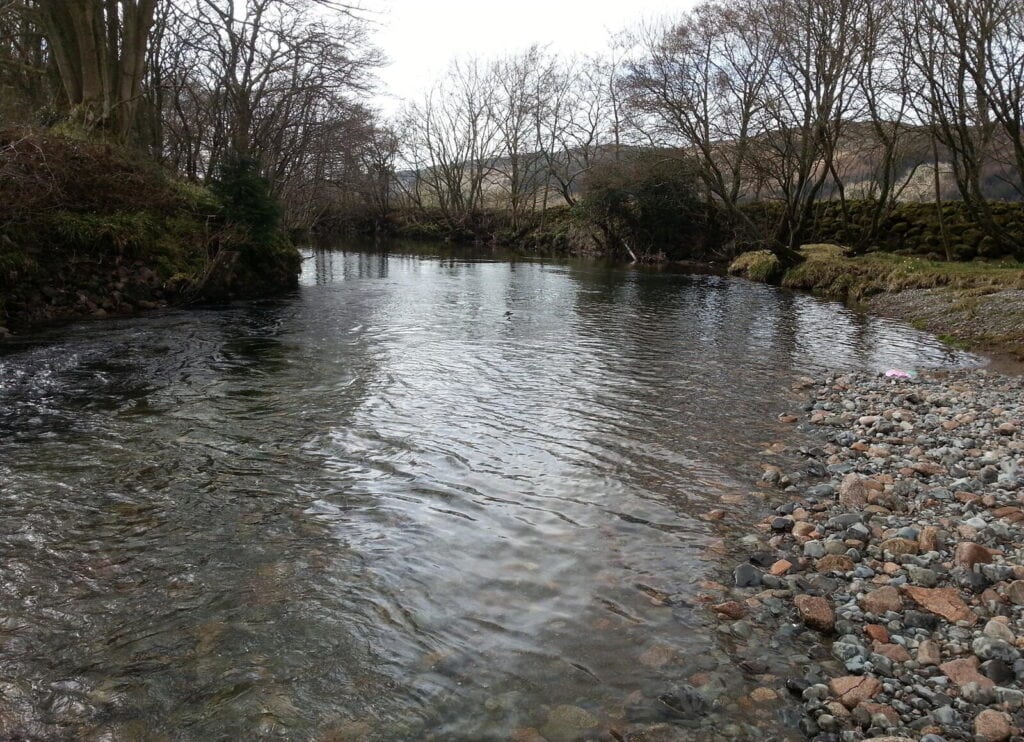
(387, 506)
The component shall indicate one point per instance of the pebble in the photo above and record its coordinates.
(816, 612)
(567, 723)
(911, 551)
(993, 726)
(747, 575)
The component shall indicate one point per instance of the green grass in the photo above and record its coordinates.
(828, 272)
(954, 342)
(955, 305)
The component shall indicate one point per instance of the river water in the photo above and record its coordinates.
(422, 498)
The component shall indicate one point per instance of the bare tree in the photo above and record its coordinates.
(807, 102)
(266, 79)
(578, 120)
(26, 82)
(520, 88)
(452, 143)
(948, 64)
(700, 86)
(884, 152)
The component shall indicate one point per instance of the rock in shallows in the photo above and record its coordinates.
(747, 575)
(815, 612)
(730, 609)
(763, 695)
(855, 689)
(567, 723)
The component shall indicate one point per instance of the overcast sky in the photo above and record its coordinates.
(420, 37)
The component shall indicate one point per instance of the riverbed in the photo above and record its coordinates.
(423, 497)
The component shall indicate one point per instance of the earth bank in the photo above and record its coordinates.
(89, 228)
(975, 305)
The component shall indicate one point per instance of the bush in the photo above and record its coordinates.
(87, 225)
(646, 207)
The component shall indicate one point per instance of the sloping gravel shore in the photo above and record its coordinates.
(992, 320)
(903, 558)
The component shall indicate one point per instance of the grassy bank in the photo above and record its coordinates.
(87, 228)
(976, 305)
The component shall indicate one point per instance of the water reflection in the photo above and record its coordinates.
(425, 497)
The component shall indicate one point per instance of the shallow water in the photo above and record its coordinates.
(421, 498)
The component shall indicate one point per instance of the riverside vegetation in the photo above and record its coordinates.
(90, 229)
(163, 152)
(156, 153)
(669, 145)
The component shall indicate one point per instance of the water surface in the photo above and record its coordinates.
(421, 498)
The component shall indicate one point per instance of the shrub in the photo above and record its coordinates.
(245, 198)
(646, 205)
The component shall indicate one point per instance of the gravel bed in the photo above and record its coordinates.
(900, 550)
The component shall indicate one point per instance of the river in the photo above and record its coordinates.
(422, 498)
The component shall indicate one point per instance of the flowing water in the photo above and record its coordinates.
(422, 498)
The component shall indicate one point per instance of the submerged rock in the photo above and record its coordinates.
(567, 724)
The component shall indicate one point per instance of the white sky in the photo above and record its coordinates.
(421, 37)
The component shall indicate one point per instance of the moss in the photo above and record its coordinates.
(120, 231)
(912, 227)
(196, 198)
(762, 266)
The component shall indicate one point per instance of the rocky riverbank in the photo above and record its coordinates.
(900, 550)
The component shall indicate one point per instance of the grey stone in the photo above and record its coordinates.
(747, 575)
(922, 576)
(997, 671)
(814, 549)
(988, 648)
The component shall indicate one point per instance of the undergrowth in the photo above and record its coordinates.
(81, 217)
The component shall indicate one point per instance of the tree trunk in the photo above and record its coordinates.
(100, 50)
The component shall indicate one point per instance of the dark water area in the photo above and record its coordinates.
(422, 498)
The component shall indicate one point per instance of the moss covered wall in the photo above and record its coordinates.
(915, 229)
